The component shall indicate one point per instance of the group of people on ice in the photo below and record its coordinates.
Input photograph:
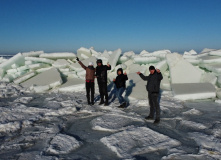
(100, 72)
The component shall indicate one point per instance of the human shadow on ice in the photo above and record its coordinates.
(128, 91)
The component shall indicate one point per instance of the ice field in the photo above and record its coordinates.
(45, 116)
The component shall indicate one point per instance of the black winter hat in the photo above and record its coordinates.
(151, 68)
(99, 61)
(120, 69)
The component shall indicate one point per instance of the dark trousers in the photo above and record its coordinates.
(154, 104)
(103, 91)
(90, 91)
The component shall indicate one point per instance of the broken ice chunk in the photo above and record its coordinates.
(215, 53)
(83, 53)
(114, 58)
(62, 55)
(61, 63)
(41, 60)
(209, 78)
(146, 60)
(211, 59)
(181, 71)
(49, 78)
(193, 91)
(24, 77)
(72, 84)
(32, 53)
(18, 59)
(62, 144)
(137, 141)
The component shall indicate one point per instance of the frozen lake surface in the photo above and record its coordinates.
(61, 126)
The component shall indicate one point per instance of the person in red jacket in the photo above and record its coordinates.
(89, 78)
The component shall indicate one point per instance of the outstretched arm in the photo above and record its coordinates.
(145, 78)
(82, 65)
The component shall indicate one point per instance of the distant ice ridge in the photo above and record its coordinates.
(42, 72)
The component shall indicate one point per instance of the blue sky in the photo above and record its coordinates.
(66, 25)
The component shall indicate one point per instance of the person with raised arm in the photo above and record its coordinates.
(101, 75)
(153, 89)
(120, 83)
(89, 78)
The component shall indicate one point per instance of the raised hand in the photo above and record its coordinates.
(158, 71)
(108, 64)
(77, 59)
(138, 72)
(114, 79)
(125, 73)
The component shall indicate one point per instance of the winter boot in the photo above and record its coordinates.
(156, 121)
(106, 103)
(101, 102)
(123, 105)
(149, 118)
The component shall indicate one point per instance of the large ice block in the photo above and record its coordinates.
(207, 50)
(146, 60)
(32, 53)
(49, 78)
(62, 55)
(162, 66)
(129, 62)
(24, 77)
(72, 85)
(136, 87)
(191, 52)
(61, 63)
(144, 52)
(215, 53)
(38, 66)
(193, 91)
(41, 60)
(123, 66)
(215, 68)
(123, 59)
(181, 71)
(209, 78)
(114, 58)
(159, 54)
(83, 53)
(165, 83)
(18, 59)
(210, 59)
(194, 61)
(129, 54)
(135, 68)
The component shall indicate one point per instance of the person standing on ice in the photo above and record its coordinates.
(153, 89)
(90, 75)
(101, 75)
(120, 83)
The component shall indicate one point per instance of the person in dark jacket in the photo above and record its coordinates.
(101, 74)
(120, 83)
(153, 89)
(89, 78)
